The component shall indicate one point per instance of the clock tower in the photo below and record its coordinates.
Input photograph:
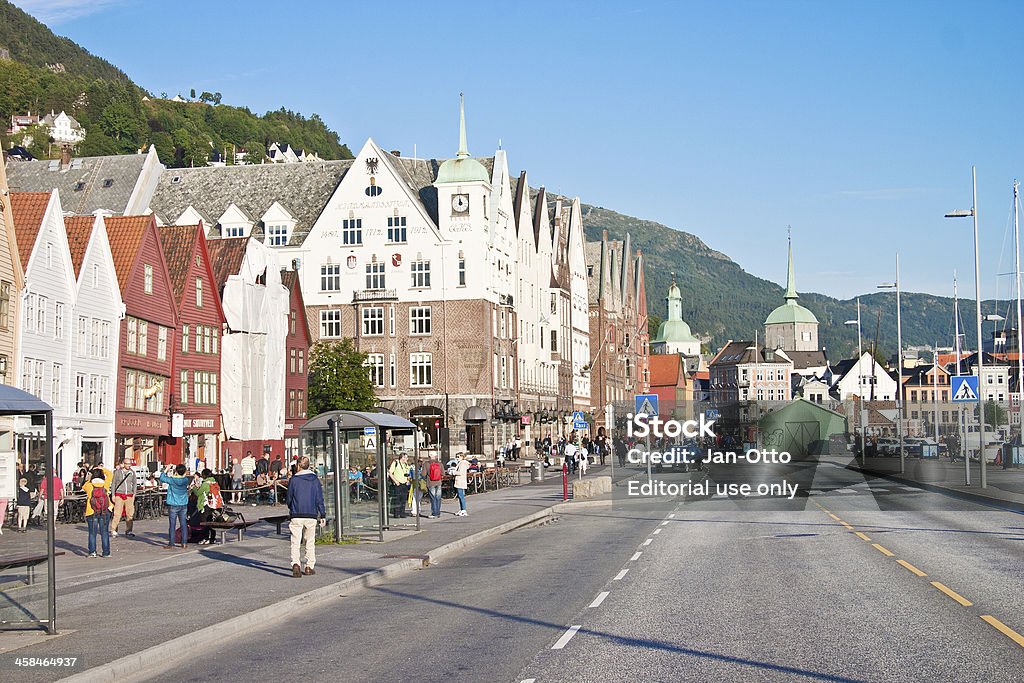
(463, 190)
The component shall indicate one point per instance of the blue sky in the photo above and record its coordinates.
(856, 123)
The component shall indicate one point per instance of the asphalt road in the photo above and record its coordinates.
(834, 585)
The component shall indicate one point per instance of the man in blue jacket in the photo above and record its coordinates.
(306, 508)
(177, 503)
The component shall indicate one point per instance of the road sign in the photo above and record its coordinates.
(577, 416)
(712, 414)
(370, 438)
(964, 388)
(369, 430)
(646, 404)
(580, 426)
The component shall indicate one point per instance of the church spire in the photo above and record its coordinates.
(463, 145)
(790, 275)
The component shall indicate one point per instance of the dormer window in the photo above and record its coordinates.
(277, 235)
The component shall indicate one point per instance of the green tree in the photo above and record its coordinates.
(338, 378)
(995, 415)
(255, 152)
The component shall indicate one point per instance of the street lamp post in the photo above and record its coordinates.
(973, 213)
(860, 387)
(899, 361)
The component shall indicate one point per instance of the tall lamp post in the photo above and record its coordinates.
(860, 387)
(899, 361)
(973, 213)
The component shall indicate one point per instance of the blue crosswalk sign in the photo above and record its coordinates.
(964, 388)
(646, 404)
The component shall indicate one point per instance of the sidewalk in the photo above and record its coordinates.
(1005, 487)
(148, 596)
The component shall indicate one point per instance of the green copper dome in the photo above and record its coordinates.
(463, 168)
(674, 331)
(790, 312)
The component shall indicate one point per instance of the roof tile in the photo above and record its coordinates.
(79, 229)
(125, 235)
(28, 209)
(226, 255)
(178, 242)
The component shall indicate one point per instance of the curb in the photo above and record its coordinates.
(991, 501)
(138, 666)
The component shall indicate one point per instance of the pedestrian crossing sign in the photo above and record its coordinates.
(646, 404)
(964, 388)
(577, 416)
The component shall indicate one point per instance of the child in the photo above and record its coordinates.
(24, 504)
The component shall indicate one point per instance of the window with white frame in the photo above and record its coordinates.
(104, 339)
(277, 235)
(330, 324)
(30, 311)
(132, 344)
(58, 320)
(56, 387)
(94, 390)
(184, 338)
(462, 272)
(373, 321)
(420, 273)
(79, 392)
(396, 229)
(199, 292)
(129, 389)
(147, 279)
(330, 277)
(375, 278)
(94, 338)
(420, 369)
(419, 320)
(5, 305)
(352, 231)
(161, 344)
(183, 384)
(41, 311)
(101, 407)
(375, 363)
(143, 337)
(83, 336)
(392, 371)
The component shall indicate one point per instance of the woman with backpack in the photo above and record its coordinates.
(97, 509)
(209, 503)
(435, 473)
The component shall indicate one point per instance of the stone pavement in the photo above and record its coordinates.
(1005, 487)
(144, 595)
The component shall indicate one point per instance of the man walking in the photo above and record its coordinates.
(306, 509)
(122, 489)
(434, 476)
(398, 477)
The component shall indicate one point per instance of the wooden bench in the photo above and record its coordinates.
(239, 525)
(279, 520)
(28, 560)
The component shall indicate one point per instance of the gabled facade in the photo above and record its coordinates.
(12, 282)
(195, 376)
(864, 378)
(94, 350)
(46, 330)
(297, 345)
(147, 340)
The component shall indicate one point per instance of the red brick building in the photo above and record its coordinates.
(297, 374)
(195, 375)
(147, 340)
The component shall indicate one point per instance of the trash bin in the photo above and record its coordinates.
(537, 472)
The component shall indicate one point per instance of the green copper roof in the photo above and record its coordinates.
(791, 311)
(463, 168)
(674, 331)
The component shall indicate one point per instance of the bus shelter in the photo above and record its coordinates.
(27, 580)
(352, 453)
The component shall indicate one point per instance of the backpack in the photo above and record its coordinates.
(435, 473)
(99, 501)
(213, 498)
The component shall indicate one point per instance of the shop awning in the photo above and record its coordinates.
(352, 419)
(475, 414)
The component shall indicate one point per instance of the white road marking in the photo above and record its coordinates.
(566, 637)
(672, 516)
(599, 599)
(664, 523)
(528, 680)
(636, 556)
(648, 541)
(618, 577)
(657, 531)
